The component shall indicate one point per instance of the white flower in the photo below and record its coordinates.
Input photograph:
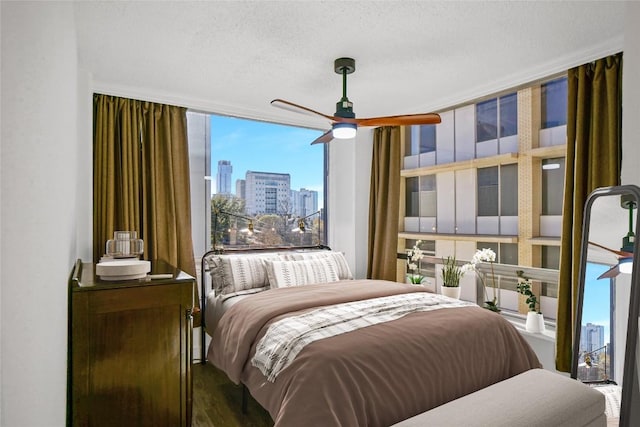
(467, 268)
(483, 255)
(414, 255)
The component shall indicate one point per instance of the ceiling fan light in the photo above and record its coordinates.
(625, 265)
(344, 130)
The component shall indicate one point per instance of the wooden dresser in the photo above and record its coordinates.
(130, 349)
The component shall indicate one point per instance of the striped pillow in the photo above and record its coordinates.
(303, 272)
(236, 273)
(344, 273)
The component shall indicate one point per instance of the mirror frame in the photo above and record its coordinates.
(629, 382)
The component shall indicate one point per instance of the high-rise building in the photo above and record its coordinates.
(304, 202)
(241, 192)
(295, 203)
(267, 193)
(223, 177)
(484, 180)
(591, 337)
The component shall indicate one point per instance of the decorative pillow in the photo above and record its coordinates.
(236, 273)
(344, 273)
(303, 272)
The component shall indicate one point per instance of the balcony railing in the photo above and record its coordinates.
(506, 276)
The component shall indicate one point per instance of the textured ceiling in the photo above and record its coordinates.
(411, 57)
(234, 57)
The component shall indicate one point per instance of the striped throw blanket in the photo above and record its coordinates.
(287, 337)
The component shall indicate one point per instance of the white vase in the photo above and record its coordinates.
(450, 291)
(535, 322)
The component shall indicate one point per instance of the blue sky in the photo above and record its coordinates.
(596, 305)
(267, 147)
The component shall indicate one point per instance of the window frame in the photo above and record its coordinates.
(497, 113)
(545, 111)
(202, 185)
(500, 189)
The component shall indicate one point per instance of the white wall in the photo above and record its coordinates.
(348, 192)
(84, 168)
(40, 130)
(631, 96)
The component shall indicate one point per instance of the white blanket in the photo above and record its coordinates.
(287, 337)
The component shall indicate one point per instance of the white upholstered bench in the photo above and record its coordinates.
(534, 398)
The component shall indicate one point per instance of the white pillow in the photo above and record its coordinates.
(303, 272)
(235, 273)
(344, 273)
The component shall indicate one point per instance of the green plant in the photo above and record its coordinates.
(451, 273)
(524, 288)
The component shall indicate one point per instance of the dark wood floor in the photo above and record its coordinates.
(217, 402)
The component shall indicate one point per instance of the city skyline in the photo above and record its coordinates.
(266, 147)
(597, 302)
(259, 187)
(237, 180)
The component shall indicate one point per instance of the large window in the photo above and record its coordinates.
(428, 206)
(509, 190)
(552, 186)
(497, 118)
(267, 183)
(427, 138)
(412, 205)
(421, 141)
(498, 190)
(488, 191)
(508, 115)
(554, 103)
(421, 196)
(487, 120)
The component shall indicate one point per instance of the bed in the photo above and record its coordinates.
(415, 351)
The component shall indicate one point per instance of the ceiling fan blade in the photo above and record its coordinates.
(401, 120)
(610, 273)
(619, 253)
(324, 138)
(290, 106)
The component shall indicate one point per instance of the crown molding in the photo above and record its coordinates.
(537, 74)
(206, 105)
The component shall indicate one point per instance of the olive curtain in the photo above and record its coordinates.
(141, 178)
(384, 203)
(594, 152)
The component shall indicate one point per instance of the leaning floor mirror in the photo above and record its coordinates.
(605, 348)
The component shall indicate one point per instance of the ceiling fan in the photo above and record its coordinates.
(344, 122)
(625, 254)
